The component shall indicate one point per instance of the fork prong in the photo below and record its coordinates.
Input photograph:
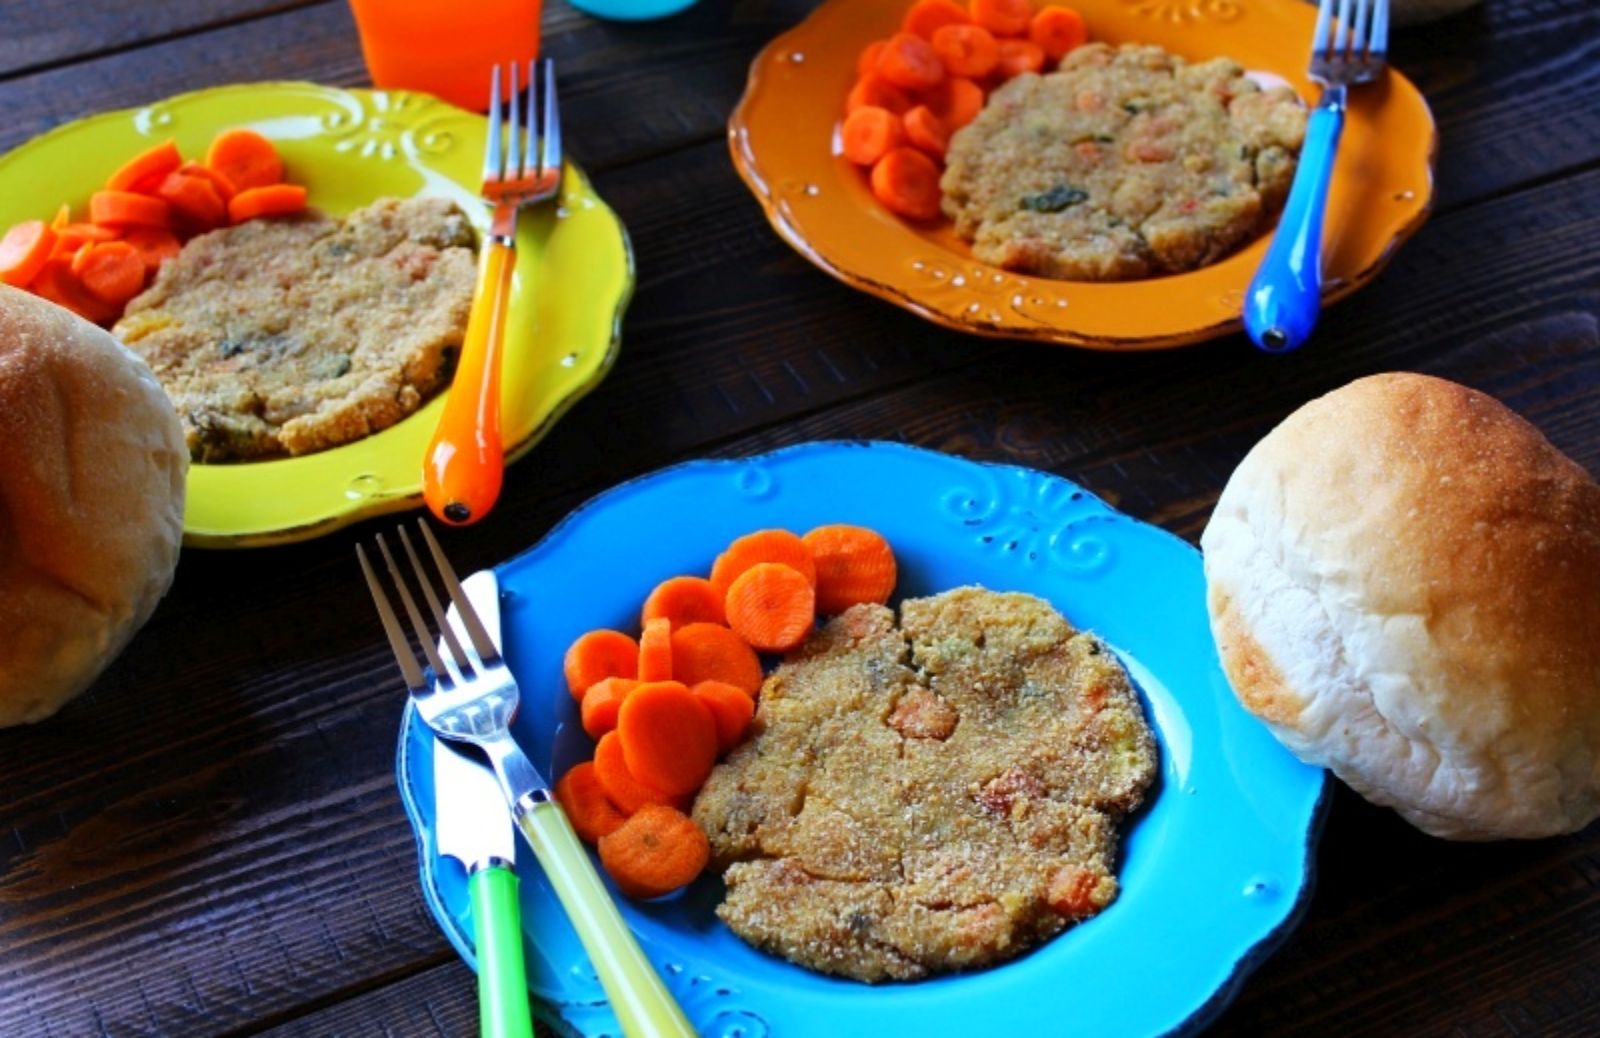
(439, 618)
(481, 642)
(550, 139)
(391, 627)
(1319, 38)
(529, 158)
(1378, 42)
(1358, 32)
(417, 624)
(1341, 34)
(514, 138)
(491, 148)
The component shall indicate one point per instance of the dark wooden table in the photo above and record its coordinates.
(210, 841)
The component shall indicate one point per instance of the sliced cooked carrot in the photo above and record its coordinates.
(155, 244)
(731, 708)
(224, 187)
(907, 182)
(761, 546)
(655, 650)
(771, 606)
(711, 652)
(967, 50)
(1058, 30)
(601, 703)
(194, 200)
(854, 565)
(867, 63)
(591, 814)
(599, 655)
(925, 131)
(926, 17)
(273, 200)
(869, 133)
(62, 218)
(114, 271)
(56, 283)
(1019, 56)
(147, 167)
(669, 738)
(684, 601)
(909, 61)
(1003, 17)
(621, 786)
(655, 852)
(126, 209)
(956, 101)
(879, 92)
(246, 158)
(24, 251)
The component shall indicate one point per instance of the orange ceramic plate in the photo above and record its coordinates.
(784, 142)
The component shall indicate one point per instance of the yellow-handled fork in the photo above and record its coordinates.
(465, 463)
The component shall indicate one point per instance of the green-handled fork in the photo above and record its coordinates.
(477, 710)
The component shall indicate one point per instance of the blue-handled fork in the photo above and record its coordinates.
(1280, 309)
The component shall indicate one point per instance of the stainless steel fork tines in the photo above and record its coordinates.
(522, 158)
(472, 697)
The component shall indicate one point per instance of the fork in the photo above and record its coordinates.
(464, 465)
(472, 700)
(1281, 304)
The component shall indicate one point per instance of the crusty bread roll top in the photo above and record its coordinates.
(1404, 582)
(92, 468)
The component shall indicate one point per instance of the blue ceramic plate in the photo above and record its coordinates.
(1216, 867)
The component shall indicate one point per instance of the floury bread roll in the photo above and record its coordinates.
(1404, 584)
(92, 467)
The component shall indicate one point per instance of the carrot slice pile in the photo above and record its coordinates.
(917, 88)
(151, 203)
(662, 709)
(655, 852)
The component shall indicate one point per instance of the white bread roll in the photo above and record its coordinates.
(92, 474)
(1404, 584)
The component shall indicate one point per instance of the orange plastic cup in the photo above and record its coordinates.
(445, 47)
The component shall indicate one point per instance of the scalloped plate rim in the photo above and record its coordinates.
(1245, 961)
(387, 503)
(748, 168)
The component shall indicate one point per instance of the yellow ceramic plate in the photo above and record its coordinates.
(784, 143)
(574, 275)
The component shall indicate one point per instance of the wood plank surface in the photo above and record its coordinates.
(210, 841)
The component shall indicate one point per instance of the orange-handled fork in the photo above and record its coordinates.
(464, 467)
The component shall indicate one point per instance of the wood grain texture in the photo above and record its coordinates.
(40, 33)
(210, 842)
